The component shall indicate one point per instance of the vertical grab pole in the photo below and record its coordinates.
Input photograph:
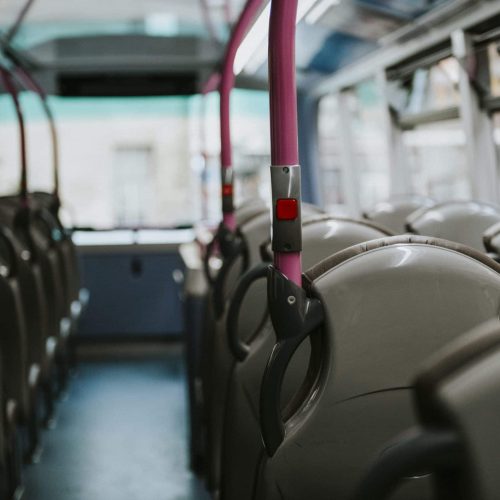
(12, 90)
(285, 169)
(226, 86)
(33, 85)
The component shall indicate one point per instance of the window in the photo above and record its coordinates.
(330, 153)
(370, 139)
(134, 179)
(437, 160)
(250, 137)
(433, 137)
(137, 161)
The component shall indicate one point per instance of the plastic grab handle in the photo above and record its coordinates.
(237, 250)
(294, 316)
(236, 345)
(417, 452)
(206, 261)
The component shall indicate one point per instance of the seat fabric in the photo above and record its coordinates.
(459, 389)
(388, 305)
(322, 236)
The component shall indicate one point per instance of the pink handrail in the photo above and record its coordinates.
(212, 84)
(31, 84)
(284, 128)
(13, 91)
(226, 86)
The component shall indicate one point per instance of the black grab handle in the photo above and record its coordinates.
(416, 452)
(236, 345)
(294, 316)
(206, 261)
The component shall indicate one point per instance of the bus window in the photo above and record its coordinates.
(437, 160)
(371, 148)
(433, 137)
(251, 143)
(329, 152)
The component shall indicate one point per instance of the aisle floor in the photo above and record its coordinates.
(121, 434)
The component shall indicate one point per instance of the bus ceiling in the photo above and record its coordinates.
(175, 51)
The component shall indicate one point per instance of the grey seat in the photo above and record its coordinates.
(200, 320)
(217, 358)
(22, 351)
(34, 242)
(394, 212)
(242, 447)
(460, 221)
(456, 397)
(252, 233)
(385, 306)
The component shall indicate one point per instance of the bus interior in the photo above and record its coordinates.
(249, 249)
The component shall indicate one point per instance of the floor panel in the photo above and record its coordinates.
(121, 435)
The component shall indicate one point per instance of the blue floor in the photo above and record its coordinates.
(121, 434)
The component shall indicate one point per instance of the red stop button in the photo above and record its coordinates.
(287, 209)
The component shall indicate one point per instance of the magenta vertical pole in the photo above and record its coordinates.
(12, 90)
(285, 169)
(226, 86)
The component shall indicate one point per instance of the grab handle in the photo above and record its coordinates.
(416, 452)
(236, 345)
(233, 247)
(294, 316)
(206, 261)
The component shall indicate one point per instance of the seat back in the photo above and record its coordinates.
(27, 273)
(387, 306)
(461, 221)
(459, 389)
(14, 341)
(248, 209)
(393, 213)
(456, 395)
(35, 247)
(323, 235)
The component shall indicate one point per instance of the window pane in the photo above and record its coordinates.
(437, 160)
(428, 89)
(137, 161)
(330, 153)
(367, 118)
(494, 67)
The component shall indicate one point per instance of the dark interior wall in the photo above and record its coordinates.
(132, 293)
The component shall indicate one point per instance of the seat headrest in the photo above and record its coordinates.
(398, 203)
(266, 250)
(329, 263)
(252, 214)
(461, 221)
(454, 357)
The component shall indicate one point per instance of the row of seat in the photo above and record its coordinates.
(40, 304)
(379, 305)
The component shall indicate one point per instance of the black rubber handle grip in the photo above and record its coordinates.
(294, 317)
(236, 345)
(272, 425)
(206, 261)
(416, 452)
